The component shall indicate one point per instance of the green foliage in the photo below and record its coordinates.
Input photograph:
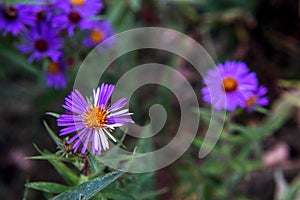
(54, 188)
(88, 189)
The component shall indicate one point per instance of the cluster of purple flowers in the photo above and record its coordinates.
(45, 26)
(232, 85)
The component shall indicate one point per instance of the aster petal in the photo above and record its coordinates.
(107, 132)
(103, 140)
(78, 135)
(87, 140)
(118, 104)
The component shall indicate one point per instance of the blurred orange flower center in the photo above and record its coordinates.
(251, 101)
(96, 36)
(230, 85)
(77, 2)
(95, 117)
(53, 68)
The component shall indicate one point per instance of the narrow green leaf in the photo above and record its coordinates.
(44, 157)
(54, 157)
(54, 137)
(89, 189)
(54, 188)
(56, 115)
(68, 174)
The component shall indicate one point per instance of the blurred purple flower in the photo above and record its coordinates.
(41, 42)
(55, 75)
(258, 98)
(43, 11)
(14, 18)
(229, 85)
(83, 7)
(94, 119)
(99, 31)
(75, 14)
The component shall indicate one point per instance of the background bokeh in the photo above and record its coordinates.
(264, 34)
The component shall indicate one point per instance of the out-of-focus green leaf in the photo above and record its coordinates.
(277, 117)
(54, 188)
(201, 2)
(261, 110)
(152, 194)
(115, 194)
(26, 2)
(291, 192)
(211, 168)
(13, 55)
(89, 189)
(116, 11)
(135, 4)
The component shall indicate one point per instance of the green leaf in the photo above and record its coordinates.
(54, 157)
(116, 12)
(44, 157)
(291, 192)
(116, 194)
(152, 194)
(26, 2)
(68, 174)
(135, 4)
(13, 55)
(56, 115)
(89, 189)
(54, 137)
(261, 110)
(54, 188)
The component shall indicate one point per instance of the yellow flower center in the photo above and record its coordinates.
(96, 36)
(230, 85)
(53, 68)
(250, 102)
(77, 2)
(95, 117)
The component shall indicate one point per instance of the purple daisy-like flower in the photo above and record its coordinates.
(42, 42)
(71, 16)
(99, 31)
(55, 75)
(229, 85)
(84, 7)
(93, 120)
(43, 11)
(14, 18)
(258, 98)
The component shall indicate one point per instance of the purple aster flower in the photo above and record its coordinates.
(75, 14)
(55, 75)
(99, 31)
(258, 98)
(93, 120)
(84, 7)
(14, 18)
(229, 85)
(43, 10)
(42, 42)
